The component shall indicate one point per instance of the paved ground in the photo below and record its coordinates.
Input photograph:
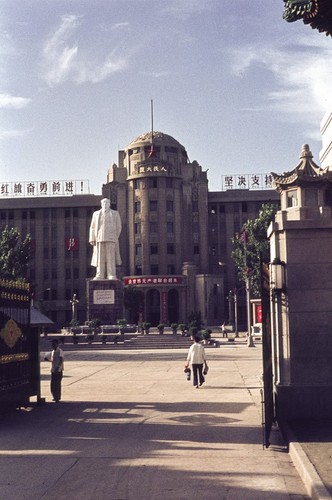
(132, 427)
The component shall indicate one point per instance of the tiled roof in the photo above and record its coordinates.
(317, 13)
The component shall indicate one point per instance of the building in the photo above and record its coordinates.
(175, 242)
(325, 154)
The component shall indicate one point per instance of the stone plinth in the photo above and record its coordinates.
(105, 300)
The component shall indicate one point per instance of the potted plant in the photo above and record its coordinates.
(75, 329)
(146, 327)
(206, 335)
(161, 328)
(174, 327)
(183, 328)
(122, 324)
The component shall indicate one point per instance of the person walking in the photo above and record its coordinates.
(56, 370)
(196, 358)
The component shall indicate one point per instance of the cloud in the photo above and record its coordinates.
(62, 61)
(301, 71)
(8, 101)
(13, 133)
(186, 8)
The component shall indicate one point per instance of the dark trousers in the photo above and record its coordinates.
(56, 385)
(198, 373)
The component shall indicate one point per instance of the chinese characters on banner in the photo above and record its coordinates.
(29, 189)
(154, 280)
(246, 181)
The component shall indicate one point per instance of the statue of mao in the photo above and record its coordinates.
(104, 235)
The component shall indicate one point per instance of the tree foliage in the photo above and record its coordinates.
(252, 245)
(14, 254)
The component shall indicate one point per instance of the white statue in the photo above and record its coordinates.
(104, 235)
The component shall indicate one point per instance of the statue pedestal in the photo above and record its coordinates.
(105, 300)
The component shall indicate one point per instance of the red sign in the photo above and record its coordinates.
(258, 313)
(153, 280)
(71, 244)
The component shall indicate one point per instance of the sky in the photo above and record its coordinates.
(236, 85)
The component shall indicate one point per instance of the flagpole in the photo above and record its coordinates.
(152, 121)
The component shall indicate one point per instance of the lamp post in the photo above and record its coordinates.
(74, 303)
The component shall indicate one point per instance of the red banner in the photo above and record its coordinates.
(71, 244)
(153, 280)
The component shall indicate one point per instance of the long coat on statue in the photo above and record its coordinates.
(95, 235)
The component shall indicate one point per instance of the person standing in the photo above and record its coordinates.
(104, 235)
(56, 370)
(196, 358)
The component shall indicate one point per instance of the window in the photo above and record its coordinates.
(153, 205)
(76, 273)
(67, 213)
(170, 269)
(32, 214)
(75, 212)
(169, 205)
(138, 270)
(136, 183)
(196, 250)
(68, 274)
(153, 249)
(153, 227)
(24, 214)
(195, 206)
(169, 182)
(244, 206)
(137, 207)
(137, 228)
(153, 182)
(213, 209)
(170, 248)
(154, 269)
(138, 250)
(54, 252)
(45, 253)
(170, 227)
(292, 198)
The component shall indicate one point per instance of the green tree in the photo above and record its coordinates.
(14, 254)
(252, 245)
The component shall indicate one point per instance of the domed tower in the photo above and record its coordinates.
(162, 200)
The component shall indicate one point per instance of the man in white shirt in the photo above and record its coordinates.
(104, 235)
(56, 370)
(196, 358)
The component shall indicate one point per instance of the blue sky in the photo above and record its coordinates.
(239, 87)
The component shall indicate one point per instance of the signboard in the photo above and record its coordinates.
(30, 189)
(103, 296)
(153, 280)
(246, 181)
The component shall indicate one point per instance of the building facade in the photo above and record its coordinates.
(175, 244)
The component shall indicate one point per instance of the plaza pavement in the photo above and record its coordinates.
(131, 427)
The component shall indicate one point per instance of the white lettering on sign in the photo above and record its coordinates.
(103, 296)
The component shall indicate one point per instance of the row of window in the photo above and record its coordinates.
(153, 206)
(154, 182)
(153, 226)
(54, 213)
(170, 249)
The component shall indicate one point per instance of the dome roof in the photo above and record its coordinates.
(158, 138)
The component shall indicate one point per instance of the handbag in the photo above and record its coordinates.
(206, 369)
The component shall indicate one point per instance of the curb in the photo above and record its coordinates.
(310, 477)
